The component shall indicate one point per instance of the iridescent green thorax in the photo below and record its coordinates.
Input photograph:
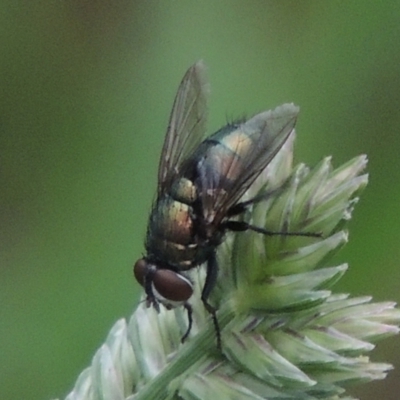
(179, 234)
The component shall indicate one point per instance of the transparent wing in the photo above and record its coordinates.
(186, 125)
(223, 180)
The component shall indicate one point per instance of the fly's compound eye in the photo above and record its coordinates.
(140, 270)
(172, 286)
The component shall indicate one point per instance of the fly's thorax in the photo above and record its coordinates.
(172, 220)
(172, 232)
(182, 257)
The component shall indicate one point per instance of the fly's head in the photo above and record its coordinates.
(162, 285)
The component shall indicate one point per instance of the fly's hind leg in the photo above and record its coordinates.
(211, 277)
(240, 226)
(241, 207)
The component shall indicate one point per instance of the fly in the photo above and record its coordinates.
(200, 184)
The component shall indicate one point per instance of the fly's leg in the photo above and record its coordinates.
(189, 310)
(240, 226)
(211, 277)
(152, 301)
(148, 288)
(241, 207)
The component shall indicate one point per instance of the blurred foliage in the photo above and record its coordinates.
(86, 88)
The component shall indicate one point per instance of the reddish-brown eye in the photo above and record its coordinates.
(172, 286)
(139, 270)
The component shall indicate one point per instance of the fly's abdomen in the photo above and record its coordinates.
(228, 151)
(220, 158)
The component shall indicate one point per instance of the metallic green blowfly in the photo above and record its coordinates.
(200, 184)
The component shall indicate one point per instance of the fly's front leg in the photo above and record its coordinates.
(211, 278)
(148, 288)
(189, 310)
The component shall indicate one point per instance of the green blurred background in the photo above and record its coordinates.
(86, 90)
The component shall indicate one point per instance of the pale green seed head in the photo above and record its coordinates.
(285, 334)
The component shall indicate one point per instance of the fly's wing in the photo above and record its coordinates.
(249, 149)
(186, 125)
